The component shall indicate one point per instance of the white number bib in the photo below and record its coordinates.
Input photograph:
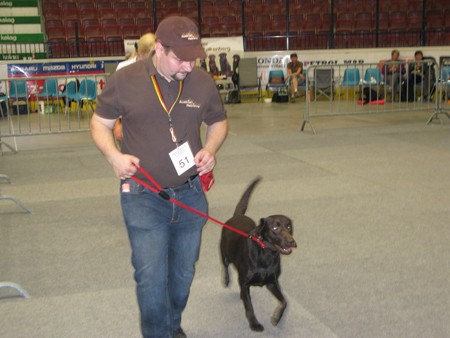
(182, 158)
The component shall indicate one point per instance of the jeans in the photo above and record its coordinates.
(165, 242)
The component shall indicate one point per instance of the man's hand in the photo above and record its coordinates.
(124, 165)
(205, 161)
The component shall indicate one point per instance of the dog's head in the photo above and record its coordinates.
(277, 230)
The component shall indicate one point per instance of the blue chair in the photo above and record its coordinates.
(278, 82)
(87, 92)
(351, 78)
(373, 76)
(18, 92)
(445, 75)
(50, 91)
(69, 94)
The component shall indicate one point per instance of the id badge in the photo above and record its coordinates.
(182, 158)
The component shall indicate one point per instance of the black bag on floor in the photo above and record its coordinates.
(279, 98)
(234, 96)
(368, 95)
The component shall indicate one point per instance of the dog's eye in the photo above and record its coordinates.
(275, 228)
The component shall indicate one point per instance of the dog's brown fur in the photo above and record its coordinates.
(257, 266)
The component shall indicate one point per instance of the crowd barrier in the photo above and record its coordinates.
(47, 105)
(345, 89)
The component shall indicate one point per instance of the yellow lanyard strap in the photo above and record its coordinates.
(163, 104)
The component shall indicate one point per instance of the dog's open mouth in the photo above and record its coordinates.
(283, 251)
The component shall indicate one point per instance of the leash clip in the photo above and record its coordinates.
(164, 195)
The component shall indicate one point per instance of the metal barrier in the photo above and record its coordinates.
(346, 89)
(47, 105)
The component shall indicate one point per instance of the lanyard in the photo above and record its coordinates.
(163, 104)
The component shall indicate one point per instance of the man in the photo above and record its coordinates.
(394, 72)
(295, 75)
(162, 109)
(143, 48)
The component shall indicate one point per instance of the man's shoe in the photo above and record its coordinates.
(179, 333)
(292, 99)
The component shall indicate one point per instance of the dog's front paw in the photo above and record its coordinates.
(277, 314)
(275, 320)
(257, 327)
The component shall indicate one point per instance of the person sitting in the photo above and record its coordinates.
(394, 73)
(295, 75)
(419, 76)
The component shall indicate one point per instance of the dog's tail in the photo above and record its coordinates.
(241, 207)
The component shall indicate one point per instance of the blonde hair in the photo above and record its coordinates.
(145, 45)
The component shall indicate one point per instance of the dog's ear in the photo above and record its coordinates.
(262, 222)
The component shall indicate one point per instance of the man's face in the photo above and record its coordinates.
(419, 57)
(395, 56)
(293, 58)
(171, 66)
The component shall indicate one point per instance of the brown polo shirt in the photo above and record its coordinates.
(130, 93)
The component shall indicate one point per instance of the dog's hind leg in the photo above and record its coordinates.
(249, 312)
(226, 263)
(274, 288)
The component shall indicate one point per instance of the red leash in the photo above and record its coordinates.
(158, 190)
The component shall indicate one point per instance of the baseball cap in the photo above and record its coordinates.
(180, 34)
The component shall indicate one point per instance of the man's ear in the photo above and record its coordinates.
(159, 49)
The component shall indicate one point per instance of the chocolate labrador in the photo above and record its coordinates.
(257, 266)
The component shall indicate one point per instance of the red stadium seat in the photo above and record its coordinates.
(414, 20)
(363, 22)
(86, 5)
(107, 13)
(71, 13)
(397, 21)
(130, 32)
(101, 5)
(127, 22)
(435, 19)
(108, 22)
(72, 27)
(51, 23)
(58, 47)
(88, 13)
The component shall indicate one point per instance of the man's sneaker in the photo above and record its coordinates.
(292, 99)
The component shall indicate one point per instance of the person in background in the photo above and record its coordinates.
(295, 75)
(142, 51)
(394, 72)
(419, 77)
(143, 48)
(163, 101)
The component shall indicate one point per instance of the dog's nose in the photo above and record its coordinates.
(292, 243)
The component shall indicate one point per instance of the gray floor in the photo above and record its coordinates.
(369, 195)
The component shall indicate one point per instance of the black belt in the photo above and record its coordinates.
(190, 179)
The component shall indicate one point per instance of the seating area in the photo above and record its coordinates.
(97, 28)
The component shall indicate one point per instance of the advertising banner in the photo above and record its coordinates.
(94, 70)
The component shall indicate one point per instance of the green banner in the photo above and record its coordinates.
(37, 37)
(18, 3)
(23, 56)
(19, 20)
